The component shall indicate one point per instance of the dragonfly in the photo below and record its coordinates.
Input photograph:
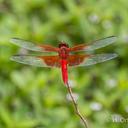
(66, 56)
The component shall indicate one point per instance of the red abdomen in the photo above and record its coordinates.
(64, 70)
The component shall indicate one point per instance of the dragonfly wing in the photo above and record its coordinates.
(31, 46)
(86, 60)
(94, 45)
(39, 61)
(75, 60)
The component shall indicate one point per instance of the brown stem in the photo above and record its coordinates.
(76, 106)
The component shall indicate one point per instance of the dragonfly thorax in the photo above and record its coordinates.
(64, 50)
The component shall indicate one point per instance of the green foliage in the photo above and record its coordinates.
(35, 97)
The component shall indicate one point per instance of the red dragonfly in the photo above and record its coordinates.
(66, 55)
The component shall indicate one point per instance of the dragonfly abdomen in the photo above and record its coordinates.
(64, 70)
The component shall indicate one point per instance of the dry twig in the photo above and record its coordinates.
(76, 106)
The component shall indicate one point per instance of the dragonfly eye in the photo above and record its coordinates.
(63, 44)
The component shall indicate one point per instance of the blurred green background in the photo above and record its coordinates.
(33, 97)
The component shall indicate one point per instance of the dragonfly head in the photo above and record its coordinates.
(63, 44)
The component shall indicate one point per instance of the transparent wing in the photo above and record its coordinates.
(39, 61)
(31, 46)
(86, 60)
(94, 45)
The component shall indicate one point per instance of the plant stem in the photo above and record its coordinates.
(76, 106)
